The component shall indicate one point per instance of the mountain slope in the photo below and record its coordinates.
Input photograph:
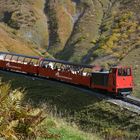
(9, 42)
(24, 21)
(87, 31)
(101, 30)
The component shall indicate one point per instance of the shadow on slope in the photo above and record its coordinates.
(39, 91)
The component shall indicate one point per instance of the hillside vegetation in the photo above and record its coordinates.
(69, 103)
(18, 121)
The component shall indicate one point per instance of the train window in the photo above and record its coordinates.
(20, 59)
(8, 57)
(2, 56)
(124, 72)
(128, 72)
(34, 62)
(14, 58)
(120, 71)
(31, 61)
(26, 60)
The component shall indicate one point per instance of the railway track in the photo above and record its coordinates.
(133, 100)
(129, 103)
(126, 104)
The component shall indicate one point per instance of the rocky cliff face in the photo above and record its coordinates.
(87, 31)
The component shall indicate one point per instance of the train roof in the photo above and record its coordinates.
(50, 60)
(20, 55)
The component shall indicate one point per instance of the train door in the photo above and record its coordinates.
(112, 80)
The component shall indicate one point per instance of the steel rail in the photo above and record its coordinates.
(132, 100)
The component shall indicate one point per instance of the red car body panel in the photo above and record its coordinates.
(124, 82)
(26, 68)
(65, 76)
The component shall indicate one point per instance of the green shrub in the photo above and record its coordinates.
(17, 121)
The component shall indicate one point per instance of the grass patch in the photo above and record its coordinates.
(66, 131)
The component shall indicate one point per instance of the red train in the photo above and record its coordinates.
(118, 80)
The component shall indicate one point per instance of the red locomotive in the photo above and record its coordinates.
(118, 80)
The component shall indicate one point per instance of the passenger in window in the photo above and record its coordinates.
(31, 63)
(120, 72)
(124, 72)
(128, 72)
